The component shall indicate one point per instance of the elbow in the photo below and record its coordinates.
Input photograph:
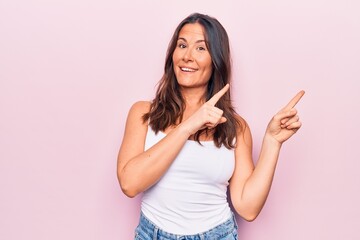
(249, 217)
(129, 192)
(127, 188)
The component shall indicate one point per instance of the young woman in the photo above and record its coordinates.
(186, 147)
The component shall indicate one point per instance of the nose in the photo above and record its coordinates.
(188, 56)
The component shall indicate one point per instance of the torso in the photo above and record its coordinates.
(191, 196)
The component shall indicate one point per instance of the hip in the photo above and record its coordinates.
(147, 230)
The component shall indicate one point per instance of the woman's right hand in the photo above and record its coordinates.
(207, 116)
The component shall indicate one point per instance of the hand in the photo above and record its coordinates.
(286, 122)
(208, 116)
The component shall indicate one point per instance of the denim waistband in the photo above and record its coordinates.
(147, 230)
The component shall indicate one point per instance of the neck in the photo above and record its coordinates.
(194, 96)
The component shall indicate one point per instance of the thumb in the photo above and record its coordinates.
(222, 120)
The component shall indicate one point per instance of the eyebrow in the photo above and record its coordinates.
(198, 41)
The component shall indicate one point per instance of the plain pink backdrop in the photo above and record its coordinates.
(71, 69)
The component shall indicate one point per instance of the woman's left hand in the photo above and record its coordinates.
(286, 122)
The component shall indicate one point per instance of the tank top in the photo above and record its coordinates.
(190, 197)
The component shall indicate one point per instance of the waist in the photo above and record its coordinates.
(185, 212)
(149, 230)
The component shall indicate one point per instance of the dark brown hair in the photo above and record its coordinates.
(168, 106)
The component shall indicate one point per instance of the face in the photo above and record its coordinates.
(191, 58)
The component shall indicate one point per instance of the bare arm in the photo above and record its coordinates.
(138, 169)
(250, 186)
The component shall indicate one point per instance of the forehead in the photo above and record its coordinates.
(194, 31)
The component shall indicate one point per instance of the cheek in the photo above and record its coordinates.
(208, 72)
(207, 63)
(209, 68)
(175, 56)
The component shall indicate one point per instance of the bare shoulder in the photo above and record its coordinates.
(243, 124)
(243, 134)
(135, 128)
(136, 113)
(140, 107)
(134, 134)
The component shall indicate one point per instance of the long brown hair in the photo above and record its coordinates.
(168, 106)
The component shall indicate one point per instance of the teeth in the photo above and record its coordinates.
(187, 69)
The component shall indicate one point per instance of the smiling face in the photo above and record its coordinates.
(191, 58)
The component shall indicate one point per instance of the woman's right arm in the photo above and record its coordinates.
(137, 169)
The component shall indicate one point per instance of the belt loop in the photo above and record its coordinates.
(155, 237)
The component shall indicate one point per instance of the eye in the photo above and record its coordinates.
(201, 48)
(181, 45)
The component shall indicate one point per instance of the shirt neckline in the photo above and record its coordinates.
(203, 142)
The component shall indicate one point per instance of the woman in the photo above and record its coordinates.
(186, 147)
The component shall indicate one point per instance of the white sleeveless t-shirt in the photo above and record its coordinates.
(191, 196)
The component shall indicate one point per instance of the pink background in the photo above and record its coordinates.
(71, 69)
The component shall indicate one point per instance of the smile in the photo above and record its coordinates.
(185, 69)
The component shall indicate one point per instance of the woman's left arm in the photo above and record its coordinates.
(249, 185)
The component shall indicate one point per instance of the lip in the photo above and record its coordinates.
(188, 69)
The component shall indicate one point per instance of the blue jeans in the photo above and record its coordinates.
(146, 230)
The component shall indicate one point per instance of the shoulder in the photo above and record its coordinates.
(242, 124)
(243, 133)
(137, 111)
(140, 107)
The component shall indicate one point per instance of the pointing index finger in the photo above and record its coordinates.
(295, 100)
(218, 95)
